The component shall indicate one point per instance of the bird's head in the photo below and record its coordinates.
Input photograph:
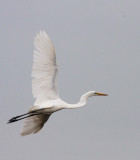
(90, 94)
(94, 93)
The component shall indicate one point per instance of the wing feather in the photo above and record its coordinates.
(34, 124)
(44, 71)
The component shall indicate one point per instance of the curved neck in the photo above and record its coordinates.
(83, 100)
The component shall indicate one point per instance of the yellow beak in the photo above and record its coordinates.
(101, 94)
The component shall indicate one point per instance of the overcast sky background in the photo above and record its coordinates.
(97, 44)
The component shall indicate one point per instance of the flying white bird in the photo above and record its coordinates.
(44, 87)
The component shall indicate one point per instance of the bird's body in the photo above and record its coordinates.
(44, 87)
(51, 106)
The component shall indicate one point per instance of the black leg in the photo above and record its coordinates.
(14, 119)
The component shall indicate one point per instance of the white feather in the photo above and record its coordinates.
(34, 124)
(44, 71)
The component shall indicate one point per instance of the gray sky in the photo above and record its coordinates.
(98, 48)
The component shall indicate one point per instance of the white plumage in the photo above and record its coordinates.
(44, 71)
(34, 124)
(44, 87)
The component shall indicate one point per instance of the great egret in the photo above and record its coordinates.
(44, 87)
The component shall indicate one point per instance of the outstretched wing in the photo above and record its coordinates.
(34, 124)
(44, 71)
